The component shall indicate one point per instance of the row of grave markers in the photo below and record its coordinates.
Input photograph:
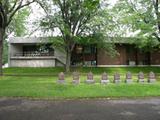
(105, 79)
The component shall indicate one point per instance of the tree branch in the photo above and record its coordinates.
(2, 16)
(20, 6)
(43, 7)
(156, 7)
(13, 7)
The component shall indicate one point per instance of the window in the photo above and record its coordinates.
(38, 50)
(84, 55)
(89, 49)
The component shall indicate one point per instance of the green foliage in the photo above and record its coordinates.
(57, 42)
(80, 22)
(17, 27)
(70, 17)
(75, 20)
(5, 52)
(18, 24)
(139, 16)
(12, 20)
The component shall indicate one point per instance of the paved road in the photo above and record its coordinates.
(23, 109)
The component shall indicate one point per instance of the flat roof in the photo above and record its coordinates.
(35, 40)
(28, 40)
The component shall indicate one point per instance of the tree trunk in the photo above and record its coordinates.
(1, 49)
(68, 61)
(156, 7)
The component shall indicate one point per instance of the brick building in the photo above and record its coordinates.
(38, 52)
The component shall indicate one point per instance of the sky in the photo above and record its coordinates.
(112, 2)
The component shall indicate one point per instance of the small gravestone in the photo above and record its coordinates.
(128, 77)
(61, 78)
(141, 77)
(151, 77)
(76, 79)
(104, 78)
(117, 78)
(90, 79)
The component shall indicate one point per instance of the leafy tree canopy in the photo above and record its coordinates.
(8, 9)
(18, 24)
(75, 20)
(141, 17)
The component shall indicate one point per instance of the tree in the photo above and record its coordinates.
(16, 28)
(5, 52)
(18, 25)
(74, 20)
(143, 18)
(8, 8)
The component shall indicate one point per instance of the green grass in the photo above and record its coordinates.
(82, 70)
(32, 71)
(46, 86)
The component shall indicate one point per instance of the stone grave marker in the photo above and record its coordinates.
(117, 78)
(141, 77)
(104, 78)
(90, 79)
(61, 78)
(76, 79)
(128, 77)
(151, 77)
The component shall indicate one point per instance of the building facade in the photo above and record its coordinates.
(34, 52)
(39, 52)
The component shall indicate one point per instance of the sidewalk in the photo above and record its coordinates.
(23, 109)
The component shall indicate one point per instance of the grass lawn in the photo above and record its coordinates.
(82, 70)
(46, 86)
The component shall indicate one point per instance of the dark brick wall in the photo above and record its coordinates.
(124, 55)
(155, 57)
(120, 59)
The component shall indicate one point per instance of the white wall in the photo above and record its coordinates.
(32, 63)
(60, 55)
(15, 48)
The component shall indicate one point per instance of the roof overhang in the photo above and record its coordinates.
(32, 40)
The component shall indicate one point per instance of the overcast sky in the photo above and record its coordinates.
(112, 1)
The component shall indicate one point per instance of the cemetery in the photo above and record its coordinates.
(104, 78)
(55, 83)
(81, 55)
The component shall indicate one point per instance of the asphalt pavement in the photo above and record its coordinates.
(99, 109)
